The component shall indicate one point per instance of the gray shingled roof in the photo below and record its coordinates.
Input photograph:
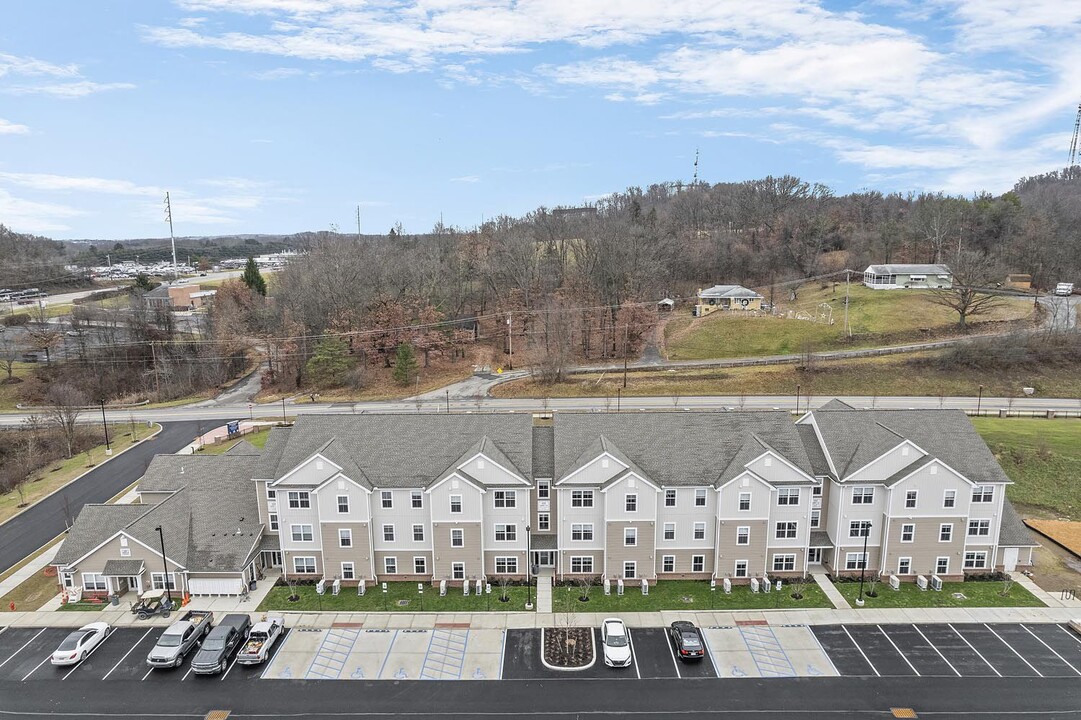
(94, 525)
(243, 448)
(267, 467)
(854, 438)
(672, 449)
(819, 465)
(542, 542)
(902, 269)
(820, 538)
(122, 567)
(543, 451)
(1013, 531)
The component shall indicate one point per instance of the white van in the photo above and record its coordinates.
(1064, 289)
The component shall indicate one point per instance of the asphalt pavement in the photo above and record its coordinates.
(39, 524)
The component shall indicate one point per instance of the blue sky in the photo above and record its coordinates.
(284, 115)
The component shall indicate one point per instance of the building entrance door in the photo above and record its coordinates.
(545, 558)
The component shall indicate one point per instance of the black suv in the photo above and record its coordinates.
(221, 644)
(688, 640)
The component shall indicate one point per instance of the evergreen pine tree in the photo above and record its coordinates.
(253, 278)
(405, 364)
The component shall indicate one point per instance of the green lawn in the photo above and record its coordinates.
(257, 438)
(349, 601)
(977, 594)
(1042, 457)
(684, 595)
(876, 317)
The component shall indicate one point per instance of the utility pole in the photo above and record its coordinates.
(358, 222)
(626, 349)
(510, 340)
(157, 377)
(848, 331)
(172, 238)
(105, 425)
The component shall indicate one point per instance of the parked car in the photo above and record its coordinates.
(1064, 289)
(262, 637)
(617, 643)
(214, 653)
(687, 640)
(77, 645)
(179, 638)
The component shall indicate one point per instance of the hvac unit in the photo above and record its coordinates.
(895, 582)
(727, 586)
(321, 586)
(607, 586)
(361, 588)
(921, 582)
(645, 586)
(754, 584)
(442, 588)
(337, 588)
(619, 586)
(936, 583)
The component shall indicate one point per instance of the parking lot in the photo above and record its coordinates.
(955, 650)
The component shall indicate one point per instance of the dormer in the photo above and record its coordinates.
(900, 456)
(774, 468)
(316, 470)
(597, 471)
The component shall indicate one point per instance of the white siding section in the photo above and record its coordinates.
(569, 516)
(684, 515)
(597, 472)
(885, 466)
(761, 496)
(614, 499)
(439, 500)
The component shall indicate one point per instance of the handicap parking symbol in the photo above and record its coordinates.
(286, 672)
(401, 674)
(737, 672)
(812, 670)
(357, 674)
(478, 674)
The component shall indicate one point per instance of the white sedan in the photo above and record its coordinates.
(80, 643)
(617, 644)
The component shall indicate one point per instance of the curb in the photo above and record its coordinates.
(592, 646)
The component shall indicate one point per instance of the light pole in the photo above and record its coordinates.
(797, 398)
(283, 411)
(619, 396)
(979, 401)
(251, 413)
(866, 529)
(105, 425)
(165, 567)
(528, 568)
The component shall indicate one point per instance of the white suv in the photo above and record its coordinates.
(617, 643)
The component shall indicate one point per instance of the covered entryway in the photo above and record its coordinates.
(1009, 558)
(124, 575)
(543, 557)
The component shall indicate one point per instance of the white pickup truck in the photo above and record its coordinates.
(261, 638)
(1064, 289)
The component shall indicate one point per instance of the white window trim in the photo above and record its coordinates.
(633, 565)
(665, 561)
(348, 534)
(393, 533)
(544, 521)
(949, 494)
(739, 502)
(272, 521)
(746, 568)
(628, 499)
(630, 534)
(544, 489)
(461, 531)
(861, 558)
(664, 531)
(296, 528)
(507, 530)
(338, 501)
(743, 530)
(783, 557)
(584, 495)
(582, 561)
(899, 561)
(698, 526)
(915, 499)
(390, 559)
(423, 559)
(788, 494)
(385, 497)
(947, 570)
(352, 570)
(315, 567)
(699, 560)
(945, 525)
(866, 495)
(461, 507)
(507, 560)
(911, 539)
(701, 494)
(454, 566)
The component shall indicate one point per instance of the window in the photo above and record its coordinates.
(786, 530)
(668, 563)
(387, 499)
(96, 581)
(979, 528)
(455, 503)
(301, 533)
(630, 569)
(457, 571)
(816, 491)
(420, 565)
(744, 501)
(975, 560)
(863, 495)
(910, 498)
(698, 563)
(388, 533)
(544, 490)
(390, 565)
(983, 494)
(582, 564)
(304, 565)
(942, 566)
(273, 521)
(669, 531)
(855, 561)
(345, 537)
(630, 502)
(945, 532)
(506, 565)
(544, 521)
(859, 528)
(506, 533)
(908, 533)
(582, 498)
(743, 535)
(299, 499)
(582, 531)
(699, 531)
(416, 499)
(669, 498)
(788, 496)
(784, 562)
(630, 537)
(68, 579)
(816, 518)
(347, 571)
(700, 497)
(457, 537)
(418, 533)
(904, 566)
(505, 498)
(949, 499)
(741, 568)
(271, 494)
(343, 504)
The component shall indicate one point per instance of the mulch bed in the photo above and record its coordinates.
(568, 647)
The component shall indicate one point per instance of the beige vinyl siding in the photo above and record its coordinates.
(925, 548)
(287, 564)
(445, 555)
(642, 553)
(683, 560)
(359, 554)
(491, 555)
(95, 562)
(797, 570)
(754, 553)
(405, 566)
(565, 562)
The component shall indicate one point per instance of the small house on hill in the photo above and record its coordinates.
(726, 297)
(896, 276)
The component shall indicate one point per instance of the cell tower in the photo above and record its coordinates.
(696, 157)
(1074, 142)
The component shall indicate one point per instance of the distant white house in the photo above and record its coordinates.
(894, 277)
(726, 297)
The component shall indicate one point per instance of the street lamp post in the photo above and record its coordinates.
(105, 425)
(979, 401)
(797, 398)
(165, 567)
(528, 568)
(863, 560)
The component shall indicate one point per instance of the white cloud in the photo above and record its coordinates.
(57, 80)
(64, 183)
(9, 128)
(67, 90)
(466, 179)
(34, 217)
(281, 73)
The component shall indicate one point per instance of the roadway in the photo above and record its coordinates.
(37, 525)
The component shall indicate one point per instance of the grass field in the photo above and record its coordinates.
(1042, 457)
(383, 387)
(31, 594)
(684, 595)
(257, 438)
(882, 376)
(397, 593)
(9, 394)
(976, 594)
(875, 317)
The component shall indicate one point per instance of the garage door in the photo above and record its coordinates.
(214, 586)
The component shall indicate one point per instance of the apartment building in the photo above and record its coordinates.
(645, 495)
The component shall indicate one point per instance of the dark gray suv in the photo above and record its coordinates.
(221, 644)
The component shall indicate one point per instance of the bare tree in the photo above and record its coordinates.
(10, 349)
(972, 275)
(64, 403)
(504, 585)
(585, 584)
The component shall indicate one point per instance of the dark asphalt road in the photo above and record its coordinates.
(646, 699)
(27, 532)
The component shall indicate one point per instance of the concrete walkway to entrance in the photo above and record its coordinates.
(544, 593)
(1044, 596)
(831, 592)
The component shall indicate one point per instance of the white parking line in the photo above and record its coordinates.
(634, 655)
(668, 642)
(235, 658)
(1069, 632)
(1052, 650)
(281, 643)
(871, 664)
(22, 648)
(935, 648)
(993, 668)
(1014, 651)
(891, 642)
(147, 674)
(47, 658)
(502, 655)
(114, 667)
(92, 651)
(186, 674)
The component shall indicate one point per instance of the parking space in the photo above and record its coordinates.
(764, 651)
(953, 650)
(655, 657)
